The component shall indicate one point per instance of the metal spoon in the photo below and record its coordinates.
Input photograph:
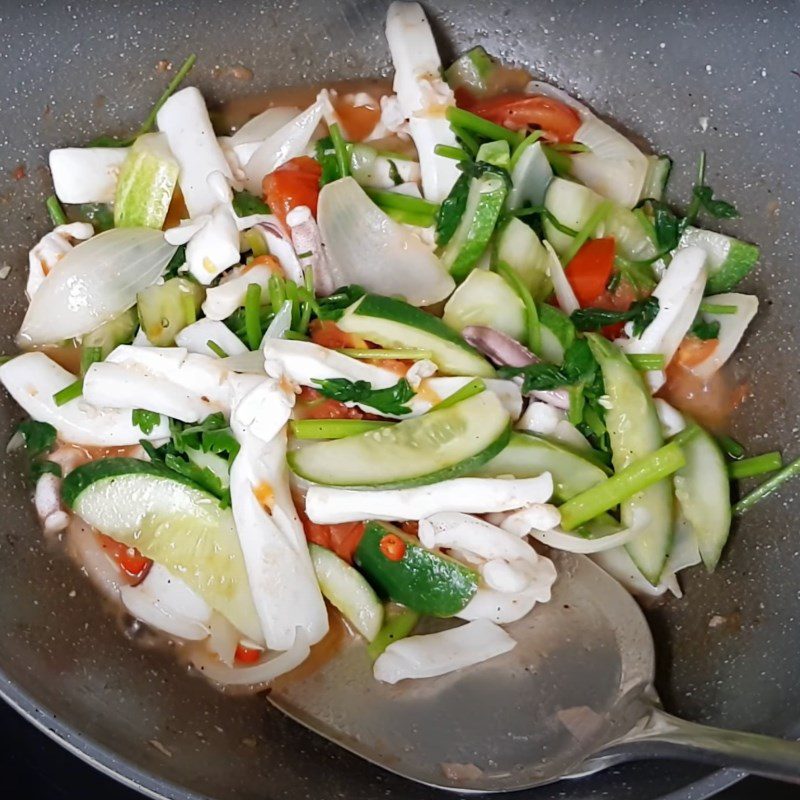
(575, 696)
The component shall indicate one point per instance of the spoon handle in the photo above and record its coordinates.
(666, 736)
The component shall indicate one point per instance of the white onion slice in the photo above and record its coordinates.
(289, 141)
(223, 638)
(573, 543)
(195, 338)
(731, 329)
(567, 301)
(166, 603)
(258, 674)
(85, 548)
(281, 323)
(263, 125)
(94, 282)
(366, 247)
(614, 167)
(439, 653)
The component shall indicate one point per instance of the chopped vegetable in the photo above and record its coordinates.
(768, 487)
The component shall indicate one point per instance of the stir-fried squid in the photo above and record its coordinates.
(377, 369)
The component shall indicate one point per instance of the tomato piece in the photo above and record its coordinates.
(293, 184)
(358, 121)
(128, 559)
(590, 270)
(268, 261)
(328, 334)
(246, 655)
(342, 538)
(519, 111)
(694, 351)
(312, 405)
(392, 547)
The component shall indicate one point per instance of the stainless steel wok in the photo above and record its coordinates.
(684, 76)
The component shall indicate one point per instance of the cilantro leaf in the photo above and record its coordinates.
(333, 306)
(579, 367)
(39, 437)
(146, 420)
(245, 204)
(202, 476)
(386, 401)
(705, 330)
(641, 313)
(721, 209)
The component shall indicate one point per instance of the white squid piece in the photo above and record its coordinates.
(222, 300)
(435, 654)
(422, 94)
(282, 578)
(86, 174)
(195, 339)
(679, 293)
(169, 380)
(32, 379)
(328, 505)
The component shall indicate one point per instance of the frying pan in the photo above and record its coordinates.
(685, 76)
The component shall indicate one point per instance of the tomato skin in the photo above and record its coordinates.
(246, 655)
(293, 184)
(590, 270)
(342, 539)
(311, 404)
(518, 111)
(128, 559)
(327, 333)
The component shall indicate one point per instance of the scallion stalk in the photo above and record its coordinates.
(252, 316)
(757, 465)
(55, 210)
(647, 362)
(475, 386)
(624, 484)
(713, 308)
(446, 151)
(71, 392)
(333, 428)
(768, 487)
(340, 148)
(409, 355)
(395, 628)
(216, 349)
(597, 216)
(533, 329)
(475, 124)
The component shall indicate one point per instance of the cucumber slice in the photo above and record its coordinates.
(111, 334)
(485, 200)
(704, 494)
(471, 71)
(166, 309)
(348, 590)
(635, 431)
(655, 182)
(528, 456)
(441, 444)
(486, 299)
(631, 238)
(557, 332)
(394, 323)
(518, 246)
(146, 183)
(173, 522)
(425, 581)
(571, 204)
(728, 260)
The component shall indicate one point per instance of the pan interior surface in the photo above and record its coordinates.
(684, 77)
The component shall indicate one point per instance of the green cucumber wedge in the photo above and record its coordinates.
(485, 298)
(728, 260)
(485, 200)
(635, 432)
(517, 245)
(111, 334)
(425, 581)
(704, 494)
(145, 185)
(173, 522)
(527, 456)
(571, 204)
(557, 332)
(436, 446)
(167, 308)
(389, 322)
(348, 590)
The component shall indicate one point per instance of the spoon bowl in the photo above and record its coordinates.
(574, 696)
